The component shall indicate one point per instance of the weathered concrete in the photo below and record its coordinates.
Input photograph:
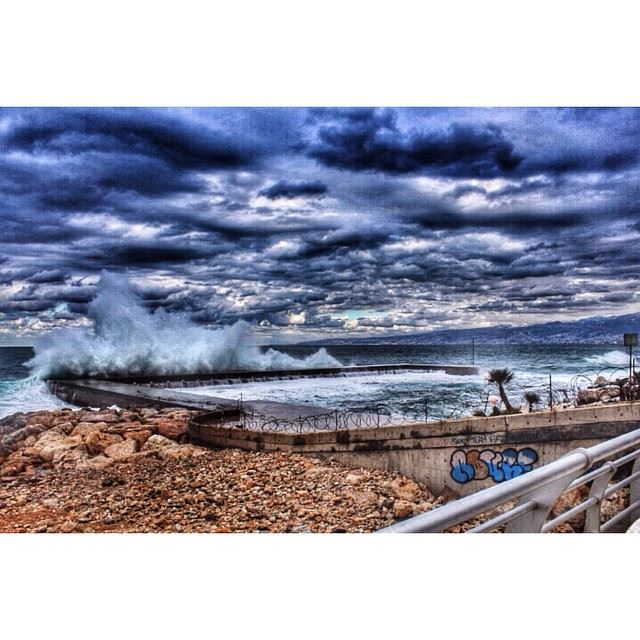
(428, 452)
(461, 456)
(240, 376)
(101, 393)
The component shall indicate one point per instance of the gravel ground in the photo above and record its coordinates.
(115, 471)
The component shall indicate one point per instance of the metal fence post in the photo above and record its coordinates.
(634, 493)
(598, 487)
(544, 497)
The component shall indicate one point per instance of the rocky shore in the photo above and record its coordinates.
(134, 471)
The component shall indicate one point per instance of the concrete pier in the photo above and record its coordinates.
(240, 376)
(101, 393)
(164, 390)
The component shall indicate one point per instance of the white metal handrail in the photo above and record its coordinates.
(536, 492)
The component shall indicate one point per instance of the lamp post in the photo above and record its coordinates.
(630, 340)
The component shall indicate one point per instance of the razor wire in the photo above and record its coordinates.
(426, 409)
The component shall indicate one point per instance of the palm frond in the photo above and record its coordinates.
(500, 376)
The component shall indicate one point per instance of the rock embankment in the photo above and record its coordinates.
(134, 471)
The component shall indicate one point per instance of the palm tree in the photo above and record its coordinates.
(531, 398)
(502, 377)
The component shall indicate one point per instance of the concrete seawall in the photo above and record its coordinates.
(461, 456)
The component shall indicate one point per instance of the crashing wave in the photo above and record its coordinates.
(26, 394)
(127, 339)
(610, 359)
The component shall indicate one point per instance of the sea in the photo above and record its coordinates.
(554, 372)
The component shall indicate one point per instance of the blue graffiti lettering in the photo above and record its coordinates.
(500, 466)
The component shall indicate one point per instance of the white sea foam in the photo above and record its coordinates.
(126, 338)
(362, 388)
(27, 394)
(609, 359)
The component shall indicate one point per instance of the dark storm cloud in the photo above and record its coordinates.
(390, 218)
(284, 189)
(9, 306)
(570, 161)
(31, 229)
(516, 221)
(153, 134)
(143, 254)
(87, 159)
(371, 140)
(464, 190)
(46, 277)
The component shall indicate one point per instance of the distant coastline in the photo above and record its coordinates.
(598, 330)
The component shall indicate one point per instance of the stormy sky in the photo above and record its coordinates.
(321, 222)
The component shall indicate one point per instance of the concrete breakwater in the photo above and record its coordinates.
(240, 376)
(164, 391)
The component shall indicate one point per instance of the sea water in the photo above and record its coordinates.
(548, 370)
(409, 392)
(125, 337)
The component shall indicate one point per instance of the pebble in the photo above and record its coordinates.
(194, 489)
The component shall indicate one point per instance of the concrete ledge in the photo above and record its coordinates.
(427, 452)
(460, 455)
(241, 375)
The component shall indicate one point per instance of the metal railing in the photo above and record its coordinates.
(535, 493)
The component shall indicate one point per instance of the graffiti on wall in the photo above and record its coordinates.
(497, 465)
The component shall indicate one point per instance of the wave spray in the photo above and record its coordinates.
(128, 339)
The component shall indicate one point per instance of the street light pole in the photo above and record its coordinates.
(630, 340)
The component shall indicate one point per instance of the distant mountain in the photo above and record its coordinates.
(597, 330)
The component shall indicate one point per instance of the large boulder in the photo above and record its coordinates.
(403, 509)
(120, 450)
(172, 429)
(14, 438)
(587, 396)
(405, 489)
(45, 418)
(181, 451)
(16, 463)
(52, 443)
(96, 462)
(12, 423)
(97, 441)
(157, 441)
(85, 428)
(139, 436)
(90, 416)
(609, 393)
(72, 457)
(362, 498)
